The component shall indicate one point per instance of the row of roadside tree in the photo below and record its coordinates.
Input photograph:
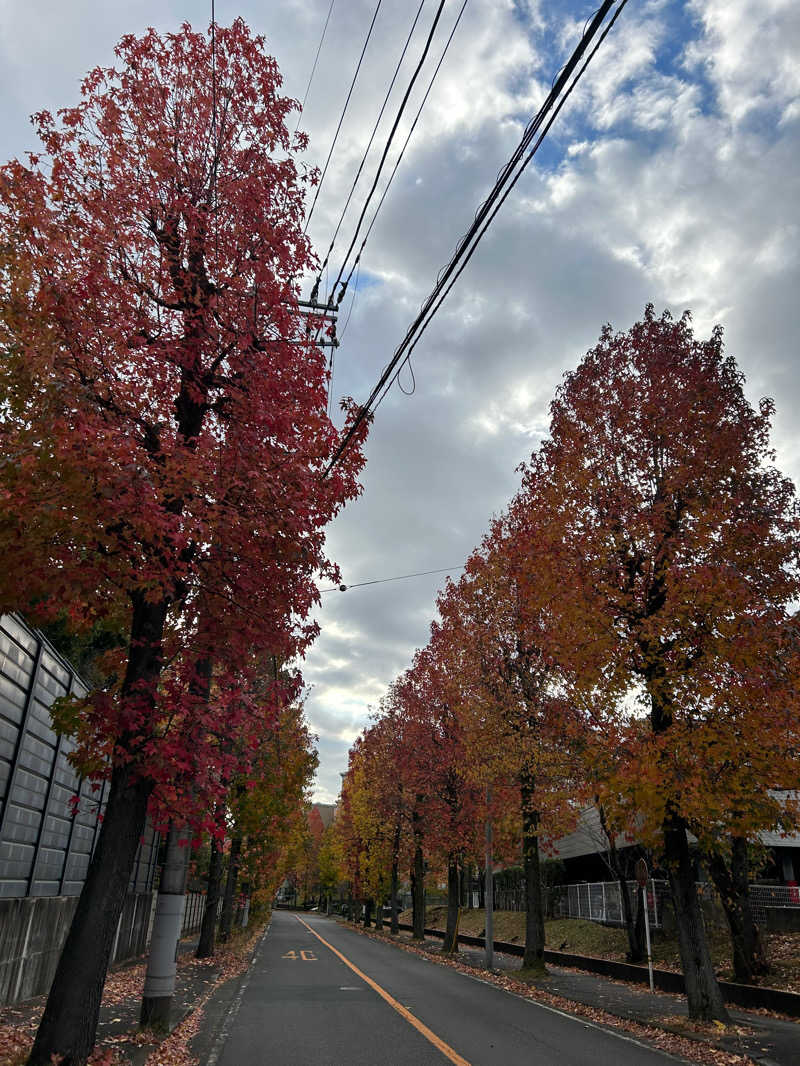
(622, 636)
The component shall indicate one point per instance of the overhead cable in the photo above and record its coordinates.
(501, 201)
(388, 145)
(356, 262)
(314, 67)
(341, 117)
(477, 229)
(366, 150)
(400, 577)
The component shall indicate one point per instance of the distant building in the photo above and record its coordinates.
(582, 850)
(326, 812)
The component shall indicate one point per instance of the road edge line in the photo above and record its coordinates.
(404, 1012)
(587, 1023)
(230, 1015)
(608, 1029)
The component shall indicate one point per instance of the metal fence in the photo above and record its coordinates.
(193, 912)
(45, 846)
(601, 901)
(196, 904)
(509, 897)
(769, 897)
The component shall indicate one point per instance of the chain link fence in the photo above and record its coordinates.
(764, 898)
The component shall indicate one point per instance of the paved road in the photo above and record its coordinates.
(303, 1005)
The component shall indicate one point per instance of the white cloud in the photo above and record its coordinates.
(671, 176)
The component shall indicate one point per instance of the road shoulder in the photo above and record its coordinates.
(657, 1021)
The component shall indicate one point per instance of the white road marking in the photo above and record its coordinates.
(233, 1010)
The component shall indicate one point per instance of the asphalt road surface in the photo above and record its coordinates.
(319, 994)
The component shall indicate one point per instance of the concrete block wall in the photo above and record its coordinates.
(32, 933)
(33, 930)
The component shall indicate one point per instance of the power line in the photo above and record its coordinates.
(324, 267)
(355, 267)
(314, 67)
(366, 150)
(352, 305)
(400, 577)
(357, 260)
(388, 145)
(466, 246)
(341, 117)
(503, 199)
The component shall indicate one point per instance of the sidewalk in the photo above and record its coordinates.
(197, 981)
(768, 1040)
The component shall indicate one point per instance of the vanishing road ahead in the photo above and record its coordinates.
(319, 994)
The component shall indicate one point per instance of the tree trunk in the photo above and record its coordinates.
(468, 870)
(379, 914)
(533, 958)
(394, 928)
(205, 948)
(634, 924)
(69, 1022)
(368, 904)
(732, 883)
(418, 888)
(634, 927)
(702, 991)
(230, 888)
(481, 889)
(453, 904)
(159, 982)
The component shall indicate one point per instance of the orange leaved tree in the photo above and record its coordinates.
(675, 545)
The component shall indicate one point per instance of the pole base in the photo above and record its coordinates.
(155, 1012)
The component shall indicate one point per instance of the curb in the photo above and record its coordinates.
(229, 1017)
(749, 997)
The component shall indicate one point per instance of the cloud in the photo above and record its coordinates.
(671, 176)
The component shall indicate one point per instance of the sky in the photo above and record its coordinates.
(670, 177)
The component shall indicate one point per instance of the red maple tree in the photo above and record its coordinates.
(521, 730)
(167, 422)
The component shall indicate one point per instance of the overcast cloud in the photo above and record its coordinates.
(670, 177)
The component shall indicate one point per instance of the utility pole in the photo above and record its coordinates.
(159, 982)
(489, 891)
(316, 315)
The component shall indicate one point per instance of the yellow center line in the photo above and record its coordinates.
(437, 1042)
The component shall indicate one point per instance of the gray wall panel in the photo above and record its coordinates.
(44, 847)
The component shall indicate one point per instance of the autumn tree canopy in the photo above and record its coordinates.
(675, 544)
(165, 430)
(625, 635)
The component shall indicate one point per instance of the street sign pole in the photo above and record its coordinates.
(641, 877)
(489, 887)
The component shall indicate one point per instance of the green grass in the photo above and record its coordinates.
(578, 936)
(581, 937)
